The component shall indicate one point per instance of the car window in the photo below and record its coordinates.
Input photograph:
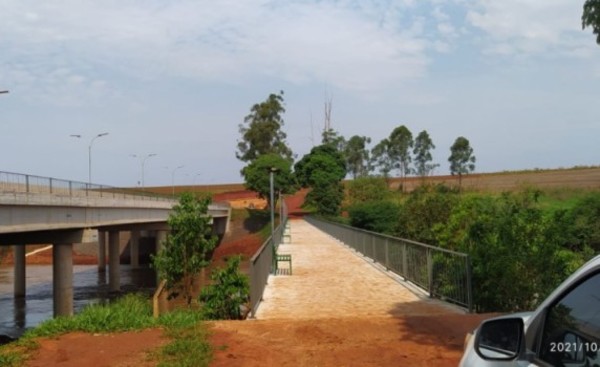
(571, 335)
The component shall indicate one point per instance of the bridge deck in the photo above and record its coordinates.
(332, 281)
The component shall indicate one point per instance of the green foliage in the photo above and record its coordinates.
(256, 176)
(422, 151)
(462, 160)
(426, 208)
(357, 156)
(364, 189)
(512, 244)
(591, 17)
(322, 170)
(376, 216)
(223, 299)
(187, 247)
(263, 134)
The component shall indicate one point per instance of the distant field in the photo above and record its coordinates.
(584, 178)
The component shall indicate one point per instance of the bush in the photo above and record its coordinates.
(368, 189)
(223, 299)
(378, 216)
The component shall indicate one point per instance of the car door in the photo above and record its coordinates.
(569, 335)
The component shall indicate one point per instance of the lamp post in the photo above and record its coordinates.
(3, 91)
(173, 178)
(143, 163)
(90, 153)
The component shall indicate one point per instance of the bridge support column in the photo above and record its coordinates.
(19, 278)
(114, 279)
(101, 250)
(62, 278)
(134, 249)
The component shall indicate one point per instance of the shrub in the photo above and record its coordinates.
(378, 216)
(223, 299)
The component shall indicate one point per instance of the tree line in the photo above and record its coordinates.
(263, 147)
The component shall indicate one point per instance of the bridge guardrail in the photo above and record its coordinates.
(261, 263)
(444, 274)
(17, 183)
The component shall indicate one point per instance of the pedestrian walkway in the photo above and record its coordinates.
(330, 280)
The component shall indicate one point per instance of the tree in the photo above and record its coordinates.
(322, 170)
(401, 141)
(591, 17)
(380, 157)
(262, 133)
(186, 249)
(462, 160)
(422, 152)
(357, 156)
(256, 176)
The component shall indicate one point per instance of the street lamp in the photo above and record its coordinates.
(90, 153)
(3, 91)
(143, 163)
(173, 178)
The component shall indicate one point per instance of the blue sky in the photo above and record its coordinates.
(518, 78)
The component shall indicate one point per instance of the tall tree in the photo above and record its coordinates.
(256, 176)
(401, 141)
(422, 151)
(186, 249)
(261, 131)
(357, 156)
(462, 160)
(591, 17)
(380, 157)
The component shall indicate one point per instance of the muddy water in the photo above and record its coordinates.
(89, 286)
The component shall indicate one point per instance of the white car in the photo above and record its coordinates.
(563, 331)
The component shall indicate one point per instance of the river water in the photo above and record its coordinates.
(89, 286)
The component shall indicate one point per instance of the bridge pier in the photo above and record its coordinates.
(101, 251)
(134, 249)
(114, 276)
(19, 277)
(62, 278)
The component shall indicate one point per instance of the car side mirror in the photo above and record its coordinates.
(499, 339)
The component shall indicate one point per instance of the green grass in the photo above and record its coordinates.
(189, 345)
(552, 200)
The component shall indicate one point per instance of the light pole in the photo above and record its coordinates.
(3, 91)
(90, 153)
(143, 163)
(173, 178)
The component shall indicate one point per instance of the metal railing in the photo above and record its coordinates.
(17, 183)
(262, 263)
(444, 274)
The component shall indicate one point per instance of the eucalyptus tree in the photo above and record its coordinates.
(462, 160)
(262, 130)
(422, 154)
(357, 156)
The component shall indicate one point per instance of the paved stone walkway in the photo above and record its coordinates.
(330, 280)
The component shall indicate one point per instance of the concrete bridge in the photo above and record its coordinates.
(41, 210)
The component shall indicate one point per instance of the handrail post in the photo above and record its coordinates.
(50, 184)
(404, 261)
(469, 284)
(387, 254)
(430, 273)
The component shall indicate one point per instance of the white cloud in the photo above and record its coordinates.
(359, 46)
(529, 26)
